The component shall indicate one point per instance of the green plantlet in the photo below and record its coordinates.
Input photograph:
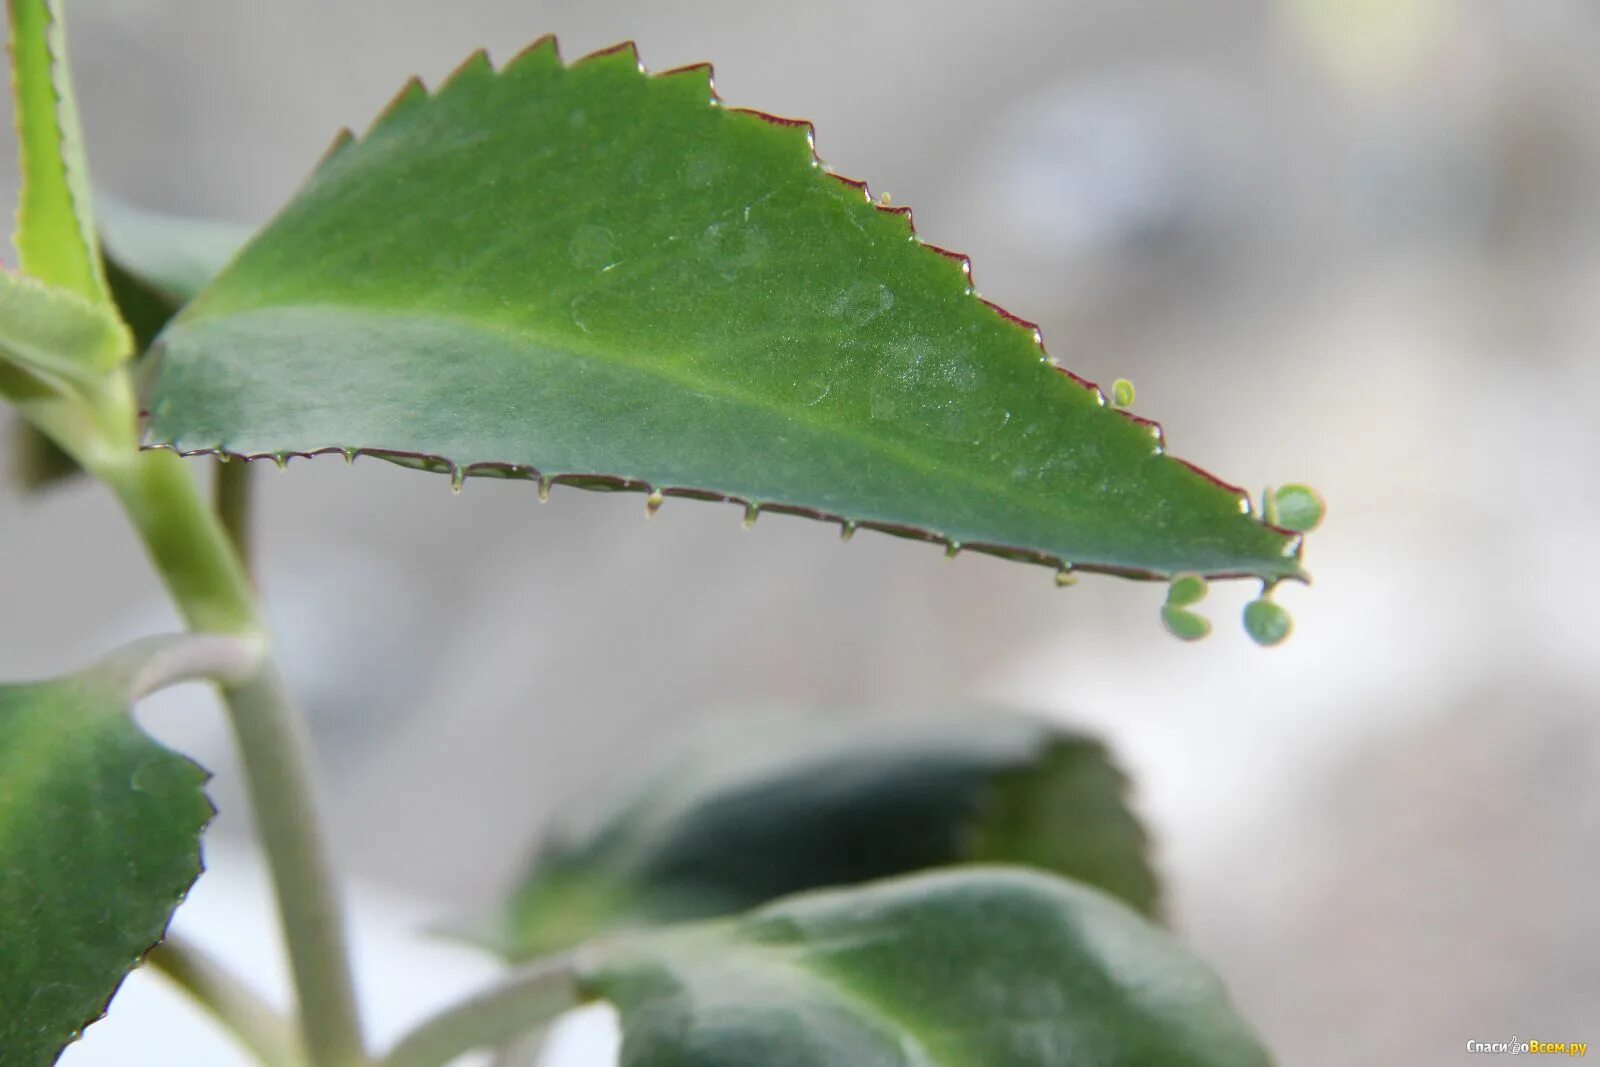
(582, 274)
(1297, 507)
(1266, 622)
(1122, 393)
(1185, 590)
(1184, 625)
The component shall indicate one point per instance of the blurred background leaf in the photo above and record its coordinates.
(761, 807)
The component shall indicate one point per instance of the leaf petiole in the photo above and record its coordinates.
(505, 1012)
(260, 1028)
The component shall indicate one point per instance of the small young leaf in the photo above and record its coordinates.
(55, 228)
(585, 274)
(99, 841)
(994, 966)
(752, 812)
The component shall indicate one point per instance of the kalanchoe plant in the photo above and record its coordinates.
(581, 274)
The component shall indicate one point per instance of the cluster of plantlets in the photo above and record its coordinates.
(583, 275)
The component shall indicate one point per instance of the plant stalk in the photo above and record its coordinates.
(522, 1002)
(259, 1027)
(192, 552)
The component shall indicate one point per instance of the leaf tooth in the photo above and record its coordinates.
(1151, 426)
(544, 488)
(952, 549)
(752, 512)
(904, 212)
(412, 95)
(458, 477)
(543, 54)
(1065, 576)
(1239, 494)
(847, 529)
(652, 503)
(854, 183)
(960, 259)
(1017, 320)
(1100, 396)
(341, 140)
(701, 72)
(803, 126)
(475, 67)
(622, 49)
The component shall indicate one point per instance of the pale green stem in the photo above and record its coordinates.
(521, 1051)
(520, 1003)
(233, 504)
(150, 664)
(193, 555)
(260, 1028)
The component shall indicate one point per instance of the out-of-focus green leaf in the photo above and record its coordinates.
(55, 228)
(173, 255)
(978, 967)
(756, 810)
(592, 276)
(99, 841)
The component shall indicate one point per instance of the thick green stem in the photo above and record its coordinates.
(260, 1028)
(188, 546)
(277, 761)
(526, 1000)
(209, 583)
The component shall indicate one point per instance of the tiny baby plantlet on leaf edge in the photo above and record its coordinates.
(582, 274)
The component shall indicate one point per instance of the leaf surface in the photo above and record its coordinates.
(597, 277)
(755, 810)
(981, 967)
(99, 841)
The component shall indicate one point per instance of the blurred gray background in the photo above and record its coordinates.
(1350, 243)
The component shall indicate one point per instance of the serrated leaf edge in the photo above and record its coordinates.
(479, 60)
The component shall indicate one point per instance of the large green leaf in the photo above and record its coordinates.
(55, 228)
(597, 277)
(752, 811)
(981, 967)
(99, 841)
